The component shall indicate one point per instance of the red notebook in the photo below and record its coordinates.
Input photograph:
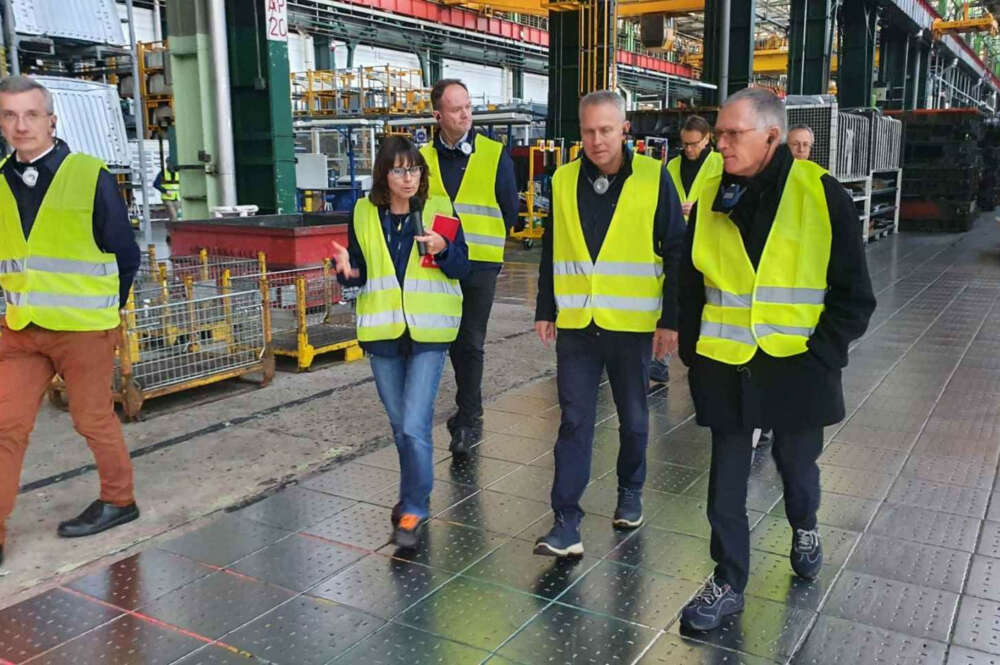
(445, 226)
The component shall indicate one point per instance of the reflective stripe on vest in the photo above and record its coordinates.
(58, 278)
(428, 303)
(777, 306)
(623, 289)
(712, 166)
(475, 202)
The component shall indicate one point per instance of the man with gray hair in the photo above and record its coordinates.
(800, 141)
(67, 259)
(607, 284)
(773, 288)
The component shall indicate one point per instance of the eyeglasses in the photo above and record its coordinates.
(9, 117)
(732, 134)
(403, 171)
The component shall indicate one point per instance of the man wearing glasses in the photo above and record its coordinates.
(67, 259)
(773, 288)
(477, 174)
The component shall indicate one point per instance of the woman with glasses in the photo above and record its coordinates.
(408, 312)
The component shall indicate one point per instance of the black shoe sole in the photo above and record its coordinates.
(124, 519)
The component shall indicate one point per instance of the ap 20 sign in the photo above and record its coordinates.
(277, 20)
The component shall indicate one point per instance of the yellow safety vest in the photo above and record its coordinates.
(777, 306)
(712, 166)
(428, 303)
(476, 200)
(58, 278)
(623, 289)
(171, 184)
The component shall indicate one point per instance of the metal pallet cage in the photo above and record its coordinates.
(886, 143)
(307, 313)
(819, 112)
(204, 268)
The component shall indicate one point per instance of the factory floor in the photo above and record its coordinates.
(910, 517)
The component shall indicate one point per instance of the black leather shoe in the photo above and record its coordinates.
(98, 516)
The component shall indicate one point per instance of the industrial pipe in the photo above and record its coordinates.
(139, 112)
(10, 36)
(724, 53)
(225, 159)
(157, 22)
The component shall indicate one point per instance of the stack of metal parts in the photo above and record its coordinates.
(943, 162)
(853, 150)
(989, 186)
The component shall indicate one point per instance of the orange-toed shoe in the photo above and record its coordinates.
(407, 532)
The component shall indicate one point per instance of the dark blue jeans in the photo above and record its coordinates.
(408, 386)
(581, 355)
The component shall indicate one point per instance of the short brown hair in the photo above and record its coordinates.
(385, 160)
(695, 123)
(437, 92)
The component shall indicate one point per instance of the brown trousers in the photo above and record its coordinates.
(29, 359)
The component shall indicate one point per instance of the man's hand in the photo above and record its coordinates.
(342, 261)
(686, 207)
(546, 331)
(664, 342)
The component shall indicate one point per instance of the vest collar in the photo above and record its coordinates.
(774, 174)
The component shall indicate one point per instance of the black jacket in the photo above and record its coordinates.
(782, 393)
(596, 211)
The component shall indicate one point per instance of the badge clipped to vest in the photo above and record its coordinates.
(466, 148)
(446, 227)
(30, 176)
(731, 196)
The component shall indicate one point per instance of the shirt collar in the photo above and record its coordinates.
(457, 146)
(593, 171)
(48, 160)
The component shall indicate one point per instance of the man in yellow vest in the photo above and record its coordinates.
(168, 181)
(67, 259)
(607, 296)
(477, 174)
(773, 288)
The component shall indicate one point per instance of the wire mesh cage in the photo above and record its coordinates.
(819, 113)
(853, 136)
(203, 269)
(308, 314)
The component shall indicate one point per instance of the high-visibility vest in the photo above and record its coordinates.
(171, 184)
(623, 289)
(58, 278)
(476, 200)
(712, 166)
(428, 302)
(777, 306)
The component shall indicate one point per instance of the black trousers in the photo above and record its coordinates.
(478, 290)
(581, 355)
(795, 454)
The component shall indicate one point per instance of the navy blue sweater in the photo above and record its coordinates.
(112, 228)
(453, 164)
(399, 232)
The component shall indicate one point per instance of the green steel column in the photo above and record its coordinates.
(742, 20)
(893, 60)
(742, 26)
(262, 111)
(190, 58)
(322, 52)
(518, 74)
(922, 52)
(856, 64)
(809, 47)
(564, 75)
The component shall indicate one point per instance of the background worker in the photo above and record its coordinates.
(688, 171)
(408, 314)
(67, 260)
(800, 141)
(764, 330)
(477, 174)
(168, 181)
(607, 284)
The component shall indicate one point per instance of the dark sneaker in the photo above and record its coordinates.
(628, 513)
(407, 532)
(99, 516)
(397, 512)
(707, 610)
(807, 553)
(563, 540)
(462, 442)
